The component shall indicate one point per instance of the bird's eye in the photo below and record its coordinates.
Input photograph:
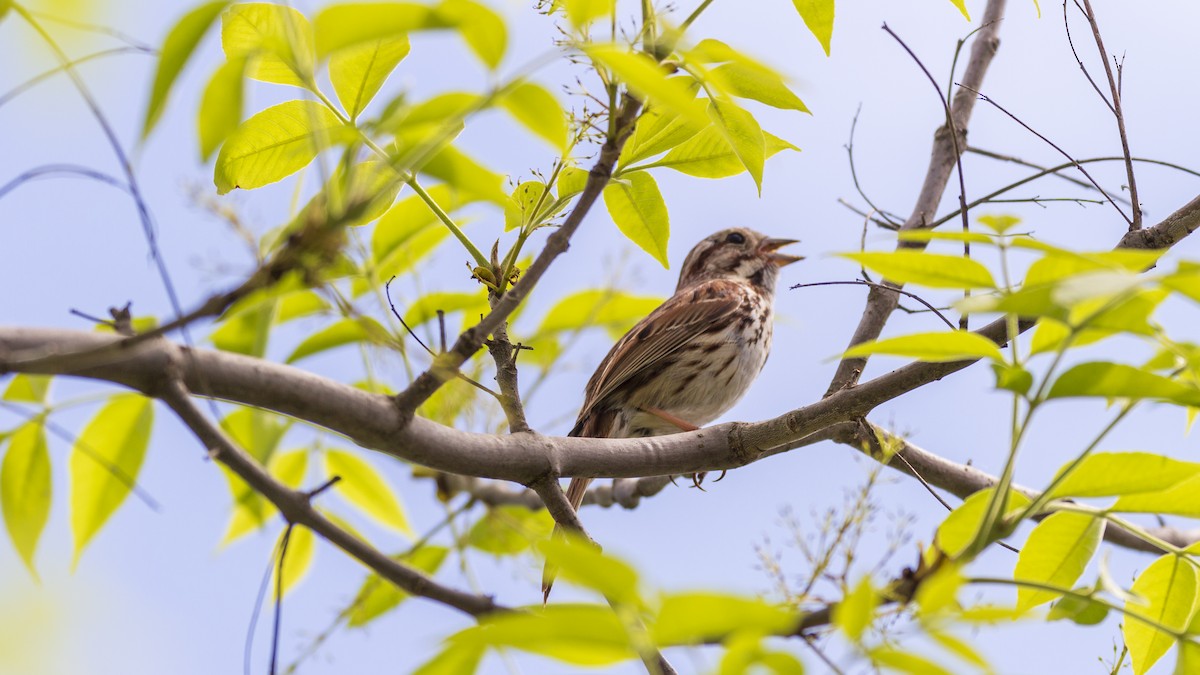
(736, 238)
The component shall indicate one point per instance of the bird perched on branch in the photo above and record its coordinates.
(694, 356)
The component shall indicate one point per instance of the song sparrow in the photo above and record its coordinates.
(695, 355)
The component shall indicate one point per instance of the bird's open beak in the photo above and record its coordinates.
(769, 250)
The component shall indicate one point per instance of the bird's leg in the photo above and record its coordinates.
(697, 478)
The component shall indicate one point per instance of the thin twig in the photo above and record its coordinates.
(870, 284)
(1136, 223)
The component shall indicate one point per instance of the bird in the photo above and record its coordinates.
(694, 356)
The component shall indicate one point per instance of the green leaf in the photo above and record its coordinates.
(523, 204)
(349, 24)
(853, 615)
(959, 528)
(746, 80)
(105, 463)
(1167, 589)
(27, 388)
(581, 635)
(221, 106)
(962, 7)
(535, 107)
(427, 306)
(579, 561)
(363, 486)
(818, 16)
(481, 28)
(508, 530)
(1000, 223)
(298, 558)
(344, 332)
(709, 155)
(377, 596)
(638, 210)
(352, 197)
(649, 81)
(25, 489)
(5, 8)
(277, 39)
(1056, 554)
(1117, 380)
(176, 50)
(744, 135)
(615, 311)
(692, 618)
(276, 143)
(358, 72)
(410, 217)
(1106, 474)
(927, 269)
(942, 346)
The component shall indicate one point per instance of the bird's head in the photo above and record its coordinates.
(738, 253)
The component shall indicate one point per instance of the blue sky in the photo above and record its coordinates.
(155, 592)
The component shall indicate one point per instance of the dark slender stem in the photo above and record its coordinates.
(871, 284)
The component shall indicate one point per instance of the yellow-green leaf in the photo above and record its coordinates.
(956, 345)
(657, 131)
(959, 528)
(523, 204)
(276, 143)
(535, 107)
(579, 561)
(1106, 474)
(344, 332)
(649, 81)
(378, 596)
(927, 269)
(221, 106)
(426, 307)
(25, 489)
(571, 181)
(744, 135)
(455, 659)
(364, 487)
(962, 7)
(757, 83)
(691, 618)
(1167, 590)
(277, 39)
(410, 216)
(176, 50)
(897, 660)
(1178, 499)
(27, 388)
(708, 154)
(581, 13)
(615, 311)
(481, 28)
(818, 16)
(458, 170)
(105, 463)
(357, 72)
(246, 332)
(352, 23)
(1055, 554)
(856, 611)
(581, 635)
(298, 558)
(638, 210)
(508, 530)
(1117, 380)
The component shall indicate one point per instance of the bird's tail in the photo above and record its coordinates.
(575, 492)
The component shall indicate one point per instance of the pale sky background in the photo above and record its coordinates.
(154, 593)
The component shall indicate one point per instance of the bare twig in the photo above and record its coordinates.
(861, 282)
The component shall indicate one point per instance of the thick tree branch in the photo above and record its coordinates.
(881, 303)
(296, 507)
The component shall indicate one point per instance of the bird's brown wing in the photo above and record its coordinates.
(673, 324)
